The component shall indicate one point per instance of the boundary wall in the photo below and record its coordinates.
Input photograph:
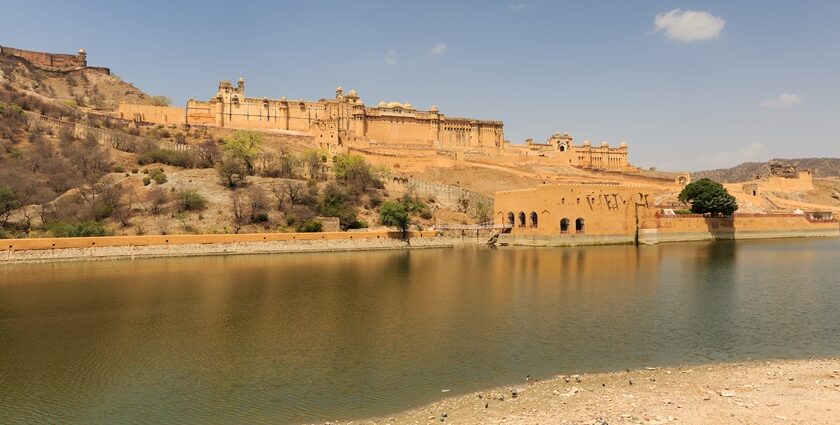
(130, 247)
(693, 227)
(445, 195)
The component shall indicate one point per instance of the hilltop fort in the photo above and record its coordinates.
(388, 129)
(57, 62)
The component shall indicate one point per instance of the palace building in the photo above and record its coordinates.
(346, 122)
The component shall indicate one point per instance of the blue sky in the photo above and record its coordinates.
(730, 81)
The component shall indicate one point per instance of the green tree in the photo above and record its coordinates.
(244, 145)
(481, 211)
(190, 200)
(344, 162)
(232, 170)
(395, 213)
(708, 196)
(335, 202)
(8, 202)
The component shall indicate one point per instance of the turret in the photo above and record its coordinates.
(240, 85)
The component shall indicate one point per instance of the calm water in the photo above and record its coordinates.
(297, 338)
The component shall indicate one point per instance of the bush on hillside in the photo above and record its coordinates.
(77, 230)
(190, 200)
(168, 157)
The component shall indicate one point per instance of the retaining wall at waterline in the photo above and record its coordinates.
(741, 226)
(688, 228)
(129, 247)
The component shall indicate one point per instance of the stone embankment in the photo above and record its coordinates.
(774, 392)
(131, 247)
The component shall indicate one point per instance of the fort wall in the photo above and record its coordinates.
(446, 196)
(152, 114)
(54, 61)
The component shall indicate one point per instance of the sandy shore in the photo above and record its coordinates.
(776, 392)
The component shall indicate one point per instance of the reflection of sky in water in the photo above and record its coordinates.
(322, 336)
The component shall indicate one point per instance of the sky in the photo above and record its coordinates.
(688, 85)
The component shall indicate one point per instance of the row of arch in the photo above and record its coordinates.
(533, 221)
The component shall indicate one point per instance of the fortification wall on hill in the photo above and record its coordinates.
(115, 139)
(54, 61)
(152, 114)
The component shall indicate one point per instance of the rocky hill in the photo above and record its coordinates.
(92, 90)
(820, 167)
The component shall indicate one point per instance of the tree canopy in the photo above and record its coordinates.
(708, 196)
(244, 145)
(395, 213)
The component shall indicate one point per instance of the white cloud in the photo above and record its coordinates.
(391, 57)
(784, 100)
(689, 25)
(439, 49)
(517, 7)
(749, 153)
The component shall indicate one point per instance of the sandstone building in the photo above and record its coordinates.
(782, 179)
(577, 212)
(594, 214)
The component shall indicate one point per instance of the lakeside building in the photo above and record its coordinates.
(596, 214)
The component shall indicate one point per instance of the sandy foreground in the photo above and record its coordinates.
(775, 392)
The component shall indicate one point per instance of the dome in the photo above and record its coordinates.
(408, 106)
(433, 108)
(605, 144)
(395, 105)
(283, 99)
(241, 80)
(622, 145)
(352, 93)
(382, 104)
(339, 88)
(587, 143)
(82, 51)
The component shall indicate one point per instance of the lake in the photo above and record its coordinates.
(312, 337)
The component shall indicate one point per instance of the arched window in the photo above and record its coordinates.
(510, 219)
(564, 225)
(579, 225)
(533, 219)
(521, 219)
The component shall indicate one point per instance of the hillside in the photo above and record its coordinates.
(78, 88)
(68, 171)
(820, 167)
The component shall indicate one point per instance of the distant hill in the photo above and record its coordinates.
(820, 167)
